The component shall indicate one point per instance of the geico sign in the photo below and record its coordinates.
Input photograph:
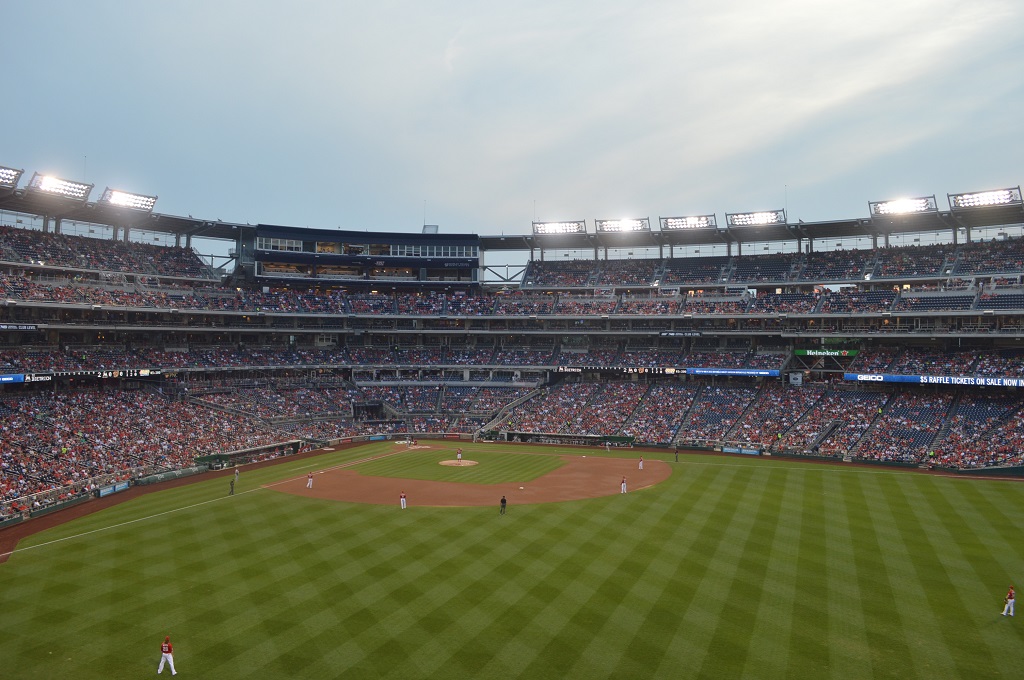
(870, 378)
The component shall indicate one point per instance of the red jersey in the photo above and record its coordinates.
(166, 647)
(1009, 594)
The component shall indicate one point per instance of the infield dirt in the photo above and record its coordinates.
(578, 478)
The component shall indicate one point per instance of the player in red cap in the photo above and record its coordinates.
(166, 655)
(1008, 602)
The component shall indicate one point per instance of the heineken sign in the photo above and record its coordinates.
(825, 352)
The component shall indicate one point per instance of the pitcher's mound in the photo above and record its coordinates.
(458, 463)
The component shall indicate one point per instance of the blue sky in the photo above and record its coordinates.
(482, 116)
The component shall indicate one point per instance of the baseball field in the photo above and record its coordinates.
(723, 567)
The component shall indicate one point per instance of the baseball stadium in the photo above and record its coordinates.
(706, 446)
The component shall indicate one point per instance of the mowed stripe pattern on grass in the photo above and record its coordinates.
(728, 569)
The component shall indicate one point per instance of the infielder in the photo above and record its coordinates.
(401, 500)
(166, 656)
(309, 481)
(623, 485)
(641, 463)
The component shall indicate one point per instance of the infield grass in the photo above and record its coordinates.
(731, 568)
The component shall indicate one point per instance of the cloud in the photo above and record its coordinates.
(364, 111)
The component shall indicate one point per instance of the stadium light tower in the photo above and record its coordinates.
(903, 206)
(9, 177)
(125, 199)
(985, 199)
(623, 225)
(755, 219)
(48, 184)
(692, 222)
(548, 228)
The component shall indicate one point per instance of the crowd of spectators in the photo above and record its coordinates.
(552, 411)
(448, 364)
(984, 430)
(776, 409)
(710, 305)
(911, 262)
(1007, 363)
(137, 296)
(934, 302)
(650, 358)
(923, 362)
(659, 415)
(918, 361)
(55, 440)
(835, 424)
(693, 270)
(67, 442)
(82, 252)
(608, 410)
(990, 257)
(783, 303)
(571, 273)
(627, 272)
(585, 306)
(715, 412)
(837, 265)
(649, 306)
(516, 303)
(905, 429)
(762, 268)
(857, 301)
(592, 357)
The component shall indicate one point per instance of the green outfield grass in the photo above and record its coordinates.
(732, 568)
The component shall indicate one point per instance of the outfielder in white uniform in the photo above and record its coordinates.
(166, 656)
(1008, 602)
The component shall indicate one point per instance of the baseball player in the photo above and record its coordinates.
(623, 485)
(232, 492)
(458, 456)
(641, 463)
(504, 503)
(401, 500)
(309, 481)
(1008, 602)
(166, 656)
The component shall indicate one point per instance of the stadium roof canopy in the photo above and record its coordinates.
(970, 210)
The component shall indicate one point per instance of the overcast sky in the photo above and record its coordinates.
(481, 116)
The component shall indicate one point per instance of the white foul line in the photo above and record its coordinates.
(187, 507)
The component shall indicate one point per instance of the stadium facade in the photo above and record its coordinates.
(887, 352)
